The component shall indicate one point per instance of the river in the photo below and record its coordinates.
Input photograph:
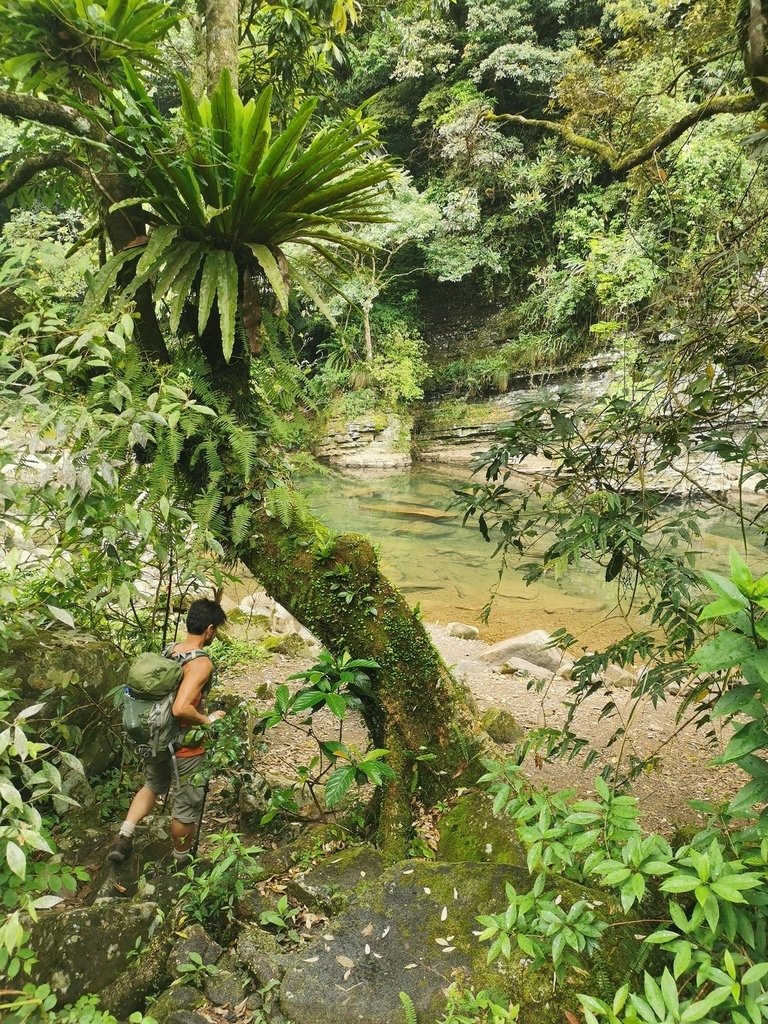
(447, 568)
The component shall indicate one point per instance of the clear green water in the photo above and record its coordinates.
(447, 568)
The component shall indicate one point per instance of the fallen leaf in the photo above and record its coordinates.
(311, 959)
(368, 928)
(409, 967)
(442, 942)
(444, 915)
(455, 894)
(427, 890)
(120, 888)
(449, 949)
(344, 961)
(571, 1018)
(367, 949)
(385, 933)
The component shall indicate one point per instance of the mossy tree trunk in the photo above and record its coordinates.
(421, 714)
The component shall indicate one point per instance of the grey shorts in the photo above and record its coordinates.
(187, 801)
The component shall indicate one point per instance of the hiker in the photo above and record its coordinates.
(203, 619)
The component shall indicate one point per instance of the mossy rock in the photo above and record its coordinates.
(83, 950)
(331, 884)
(178, 997)
(469, 831)
(411, 930)
(501, 726)
(80, 671)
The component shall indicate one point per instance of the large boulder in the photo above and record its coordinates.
(534, 647)
(77, 675)
(84, 950)
(410, 931)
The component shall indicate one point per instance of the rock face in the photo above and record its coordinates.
(409, 931)
(534, 648)
(79, 670)
(84, 950)
(380, 440)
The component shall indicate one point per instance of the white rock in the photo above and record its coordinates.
(615, 675)
(467, 669)
(258, 603)
(517, 666)
(463, 631)
(531, 647)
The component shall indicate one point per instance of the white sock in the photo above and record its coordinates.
(127, 829)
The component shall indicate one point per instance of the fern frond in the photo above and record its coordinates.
(241, 521)
(289, 506)
(205, 510)
(409, 1009)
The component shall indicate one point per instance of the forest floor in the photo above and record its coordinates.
(681, 772)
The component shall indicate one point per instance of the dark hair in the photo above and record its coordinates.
(202, 614)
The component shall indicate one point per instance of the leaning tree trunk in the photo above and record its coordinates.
(421, 715)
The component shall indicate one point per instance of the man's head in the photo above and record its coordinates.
(204, 618)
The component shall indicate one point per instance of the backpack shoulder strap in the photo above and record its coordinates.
(183, 656)
(186, 656)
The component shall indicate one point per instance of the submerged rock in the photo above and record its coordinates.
(463, 631)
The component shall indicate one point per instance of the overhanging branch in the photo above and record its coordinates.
(621, 165)
(33, 165)
(22, 107)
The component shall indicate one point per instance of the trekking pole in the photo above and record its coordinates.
(196, 843)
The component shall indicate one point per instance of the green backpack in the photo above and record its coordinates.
(153, 680)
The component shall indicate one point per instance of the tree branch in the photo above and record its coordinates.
(33, 165)
(21, 107)
(621, 165)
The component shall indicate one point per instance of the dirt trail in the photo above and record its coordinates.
(683, 771)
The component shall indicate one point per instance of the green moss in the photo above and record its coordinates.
(470, 832)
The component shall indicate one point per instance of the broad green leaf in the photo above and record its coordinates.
(724, 606)
(755, 973)
(338, 785)
(725, 587)
(747, 738)
(209, 280)
(268, 264)
(740, 571)
(159, 240)
(17, 861)
(726, 650)
(226, 294)
(61, 615)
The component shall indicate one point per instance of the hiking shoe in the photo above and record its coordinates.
(121, 849)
